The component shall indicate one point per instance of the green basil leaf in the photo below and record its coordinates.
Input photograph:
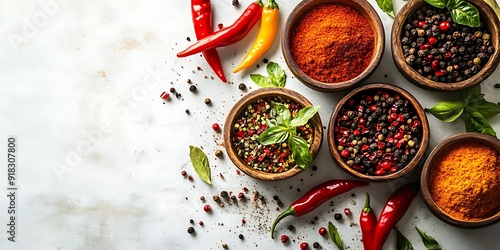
(273, 135)
(467, 94)
(271, 123)
(402, 242)
(437, 3)
(485, 108)
(451, 4)
(277, 74)
(300, 151)
(386, 6)
(304, 115)
(261, 81)
(283, 112)
(477, 98)
(200, 163)
(466, 13)
(447, 111)
(475, 122)
(334, 235)
(429, 242)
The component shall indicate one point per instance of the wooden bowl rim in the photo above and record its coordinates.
(420, 112)
(487, 15)
(364, 8)
(241, 104)
(429, 164)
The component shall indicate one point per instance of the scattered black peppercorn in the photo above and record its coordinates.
(190, 230)
(316, 245)
(337, 216)
(223, 194)
(291, 228)
(208, 101)
(191, 221)
(172, 90)
(265, 60)
(242, 86)
(235, 2)
(188, 80)
(192, 88)
(216, 198)
(314, 167)
(497, 85)
(218, 153)
(187, 111)
(188, 38)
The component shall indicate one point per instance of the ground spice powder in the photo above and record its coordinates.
(465, 182)
(332, 43)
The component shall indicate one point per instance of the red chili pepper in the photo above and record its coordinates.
(201, 11)
(368, 223)
(230, 34)
(394, 209)
(317, 196)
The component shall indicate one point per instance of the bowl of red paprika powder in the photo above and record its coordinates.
(460, 180)
(252, 116)
(333, 45)
(378, 132)
(434, 52)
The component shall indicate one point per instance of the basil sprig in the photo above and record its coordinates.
(429, 242)
(276, 78)
(402, 242)
(472, 107)
(282, 127)
(335, 236)
(199, 160)
(386, 6)
(462, 12)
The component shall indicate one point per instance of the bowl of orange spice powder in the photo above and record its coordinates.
(460, 180)
(333, 45)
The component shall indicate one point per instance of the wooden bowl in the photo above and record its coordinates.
(365, 9)
(491, 21)
(250, 98)
(372, 88)
(430, 164)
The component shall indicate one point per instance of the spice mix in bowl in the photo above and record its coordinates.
(273, 133)
(461, 180)
(378, 132)
(438, 48)
(332, 45)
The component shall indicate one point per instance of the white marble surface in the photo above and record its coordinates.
(100, 154)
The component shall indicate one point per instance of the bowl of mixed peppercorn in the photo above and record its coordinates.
(333, 45)
(378, 132)
(273, 133)
(446, 47)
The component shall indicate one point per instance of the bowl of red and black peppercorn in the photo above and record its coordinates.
(435, 52)
(289, 146)
(378, 132)
(333, 45)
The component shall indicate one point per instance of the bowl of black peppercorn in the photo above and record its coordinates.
(434, 52)
(378, 132)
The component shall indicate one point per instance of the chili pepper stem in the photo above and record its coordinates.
(367, 207)
(289, 211)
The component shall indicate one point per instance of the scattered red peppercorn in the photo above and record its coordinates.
(183, 173)
(220, 25)
(207, 208)
(284, 239)
(243, 221)
(322, 231)
(190, 177)
(347, 211)
(164, 95)
(216, 127)
(444, 26)
(304, 246)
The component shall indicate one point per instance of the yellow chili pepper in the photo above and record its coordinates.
(265, 38)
